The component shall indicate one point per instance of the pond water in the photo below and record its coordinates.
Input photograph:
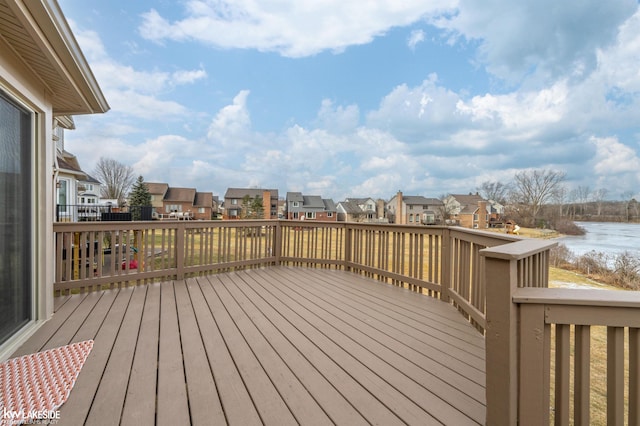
(606, 237)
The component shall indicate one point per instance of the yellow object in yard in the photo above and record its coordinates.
(512, 227)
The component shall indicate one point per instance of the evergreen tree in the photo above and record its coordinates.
(138, 198)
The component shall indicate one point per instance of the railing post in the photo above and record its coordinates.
(445, 265)
(278, 242)
(535, 349)
(501, 339)
(180, 241)
(347, 247)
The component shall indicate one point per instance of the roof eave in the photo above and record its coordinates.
(50, 30)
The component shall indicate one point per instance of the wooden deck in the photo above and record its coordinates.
(272, 346)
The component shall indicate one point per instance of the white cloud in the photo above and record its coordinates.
(157, 155)
(613, 157)
(188, 76)
(134, 92)
(544, 38)
(289, 27)
(339, 119)
(232, 123)
(416, 36)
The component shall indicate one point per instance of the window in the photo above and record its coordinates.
(63, 195)
(173, 208)
(475, 217)
(310, 215)
(411, 218)
(234, 202)
(329, 214)
(16, 152)
(200, 209)
(295, 204)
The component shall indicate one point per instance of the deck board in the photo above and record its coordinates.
(200, 382)
(335, 405)
(233, 394)
(406, 372)
(77, 407)
(269, 346)
(302, 406)
(109, 400)
(268, 402)
(345, 332)
(140, 401)
(173, 407)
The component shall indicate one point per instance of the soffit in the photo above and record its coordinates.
(38, 33)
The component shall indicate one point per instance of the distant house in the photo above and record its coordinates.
(216, 208)
(89, 189)
(76, 191)
(180, 203)
(234, 199)
(473, 211)
(309, 207)
(180, 200)
(157, 192)
(89, 202)
(363, 210)
(203, 206)
(414, 210)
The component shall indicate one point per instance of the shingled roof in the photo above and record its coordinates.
(180, 195)
(203, 199)
(239, 193)
(157, 188)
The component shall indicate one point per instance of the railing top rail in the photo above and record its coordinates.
(518, 249)
(490, 236)
(577, 297)
(155, 224)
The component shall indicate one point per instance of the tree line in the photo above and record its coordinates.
(540, 198)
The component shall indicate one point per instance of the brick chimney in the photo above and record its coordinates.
(266, 204)
(399, 213)
(380, 208)
(482, 214)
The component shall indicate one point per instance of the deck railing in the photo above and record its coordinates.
(539, 358)
(497, 282)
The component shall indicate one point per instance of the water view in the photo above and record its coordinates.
(606, 237)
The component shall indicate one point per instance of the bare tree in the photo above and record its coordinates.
(627, 198)
(447, 208)
(560, 198)
(533, 188)
(117, 178)
(495, 191)
(598, 196)
(582, 196)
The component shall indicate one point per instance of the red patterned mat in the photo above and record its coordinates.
(33, 387)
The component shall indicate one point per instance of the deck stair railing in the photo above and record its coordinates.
(498, 282)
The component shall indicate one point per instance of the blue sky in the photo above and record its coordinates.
(345, 98)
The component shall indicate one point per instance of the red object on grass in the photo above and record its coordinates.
(133, 264)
